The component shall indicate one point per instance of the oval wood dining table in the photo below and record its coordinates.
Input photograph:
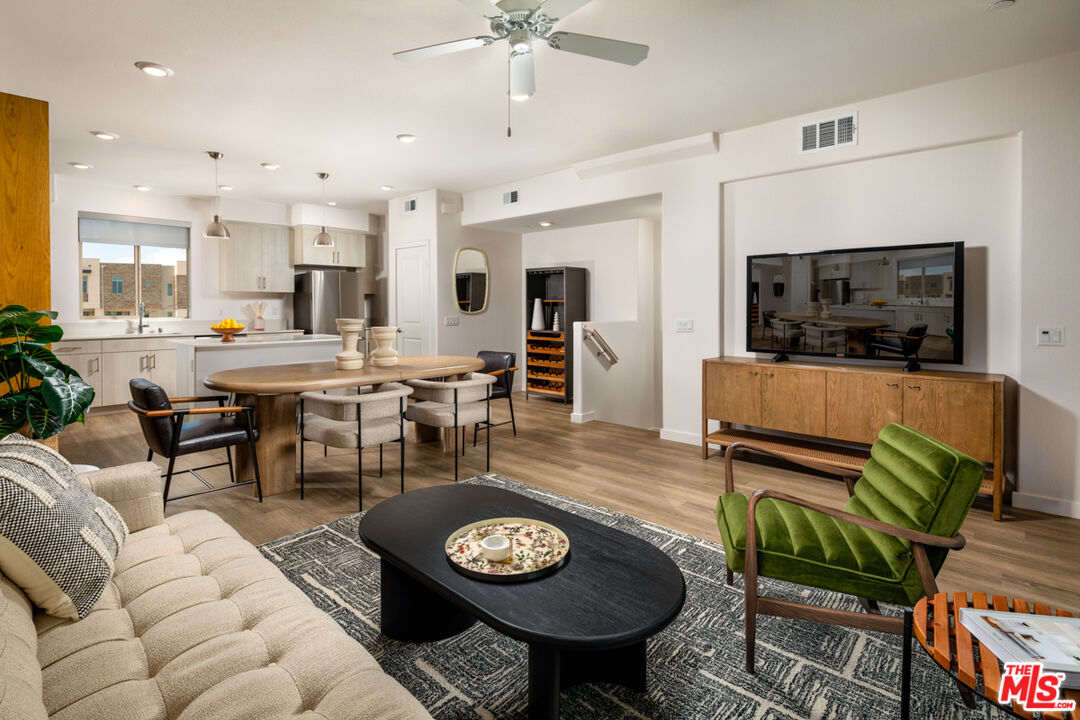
(272, 389)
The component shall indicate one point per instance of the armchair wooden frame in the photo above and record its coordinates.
(509, 396)
(913, 359)
(872, 619)
(178, 415)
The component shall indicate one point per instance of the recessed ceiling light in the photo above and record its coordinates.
(386, 188)
(102, 135)
(153, 69)
(224, 188)
(143, 188)
(1001, 4)
(546, 223)
(331, 203)
(406, 138)
(269, 166)
(80, 166)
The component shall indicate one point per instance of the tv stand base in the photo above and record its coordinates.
(780, 357)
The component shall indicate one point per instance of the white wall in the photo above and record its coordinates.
(968, 193)
(500, 325)
(207, 302)
(1036, 103)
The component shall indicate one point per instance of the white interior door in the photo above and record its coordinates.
(413, 300)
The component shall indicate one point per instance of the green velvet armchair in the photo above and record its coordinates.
(903, 516)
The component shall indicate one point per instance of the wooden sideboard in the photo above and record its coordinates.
(849, 404)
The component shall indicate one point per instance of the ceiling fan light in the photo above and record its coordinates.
(323, 239)
(217, 230)
(520, 41)
(520, 98)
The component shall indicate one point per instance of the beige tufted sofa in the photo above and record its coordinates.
(194, 624)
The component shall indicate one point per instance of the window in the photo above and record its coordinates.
(923, 278)
(127, 261)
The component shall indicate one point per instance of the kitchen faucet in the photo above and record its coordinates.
(142, 316)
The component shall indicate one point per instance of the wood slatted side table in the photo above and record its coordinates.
(937, 626)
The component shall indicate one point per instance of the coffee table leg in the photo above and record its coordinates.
(552, 670)
(545, 671)
(413, 613)
(905, 678)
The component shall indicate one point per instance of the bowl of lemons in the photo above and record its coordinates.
(227, 328)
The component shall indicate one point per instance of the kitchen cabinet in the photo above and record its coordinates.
(932, 316)
(867, 275)
(118, 368)
(349, 251)
(858, 405)
(834, 271)
(89, 368)
(255, 259)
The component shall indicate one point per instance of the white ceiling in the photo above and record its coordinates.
(312, 85)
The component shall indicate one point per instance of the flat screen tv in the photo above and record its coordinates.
(902, 302)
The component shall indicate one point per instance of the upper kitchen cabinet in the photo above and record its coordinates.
(349, 250)
(867, 275)
(255, 259)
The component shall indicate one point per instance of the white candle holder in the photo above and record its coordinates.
(384, 354)
(350, 358)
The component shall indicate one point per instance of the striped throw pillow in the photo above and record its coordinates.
(58, 541)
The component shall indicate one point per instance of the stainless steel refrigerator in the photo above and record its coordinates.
(323, 296)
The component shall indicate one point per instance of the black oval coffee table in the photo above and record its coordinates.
(586, 623)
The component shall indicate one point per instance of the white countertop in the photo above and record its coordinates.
(71, 333)
(259, 341)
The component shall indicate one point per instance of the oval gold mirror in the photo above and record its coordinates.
(471, 280)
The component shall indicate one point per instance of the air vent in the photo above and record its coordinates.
(831, 133)
(510, 197)
(410, 205)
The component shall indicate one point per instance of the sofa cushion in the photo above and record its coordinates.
(197, 624)
(58, 541)
(20, 674)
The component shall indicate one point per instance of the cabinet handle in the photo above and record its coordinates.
(895, 385)
(153, 361)
(769, 374)
(142, 361)
(753, 372)
(914, 387)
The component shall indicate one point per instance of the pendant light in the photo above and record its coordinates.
(323, 239)
(216, 229)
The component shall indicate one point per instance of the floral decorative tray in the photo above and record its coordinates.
(539, 549)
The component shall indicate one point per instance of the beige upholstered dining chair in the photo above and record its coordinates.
(455, 404)
(825, 336)
(359, 419)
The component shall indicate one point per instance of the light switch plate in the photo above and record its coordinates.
(451, 321)
(1050, 336)
(686, 326)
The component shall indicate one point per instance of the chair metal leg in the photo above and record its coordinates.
(487, 431)
(302, 448)
(360, 457)
(254, 455)
(463, 442)
(228, 454)
(380, 459)
(513, 422)
(455, 437)
(475, 429)
(168, 481)
(149, 455)
(401, 422)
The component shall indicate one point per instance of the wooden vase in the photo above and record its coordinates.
(384, 354)
(350, 358)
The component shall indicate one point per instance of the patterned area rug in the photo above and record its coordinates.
(804, 670)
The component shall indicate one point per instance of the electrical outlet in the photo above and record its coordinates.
(451, 321)
(1051, 336)
(686, 326)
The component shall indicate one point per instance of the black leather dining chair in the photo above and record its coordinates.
(172, 432)
(897, 343)
(503, 366)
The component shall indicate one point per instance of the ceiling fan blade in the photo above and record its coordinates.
(619, 51)
(558, 9)
(522, 75)
(446, 48)
(484, 7)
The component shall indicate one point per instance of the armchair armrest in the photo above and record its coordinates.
(224, 410)
(134, 490)
(849, 476)
(503, 371)
(220, 399)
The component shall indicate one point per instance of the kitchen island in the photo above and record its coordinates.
(197, 358)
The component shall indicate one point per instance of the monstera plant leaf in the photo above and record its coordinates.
(43, 421)
(67, 397)
(13, 412)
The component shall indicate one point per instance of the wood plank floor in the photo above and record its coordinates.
(1029, 555)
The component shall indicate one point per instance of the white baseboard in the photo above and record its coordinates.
(1053, 506)
(584, 417)
(680, 436)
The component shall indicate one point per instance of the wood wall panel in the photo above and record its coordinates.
(24, 203)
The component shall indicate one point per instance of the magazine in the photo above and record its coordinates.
(1021, 637)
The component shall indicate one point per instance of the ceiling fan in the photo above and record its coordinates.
(520, 22)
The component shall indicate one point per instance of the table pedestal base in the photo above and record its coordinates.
(275, 416)
(413, 613)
